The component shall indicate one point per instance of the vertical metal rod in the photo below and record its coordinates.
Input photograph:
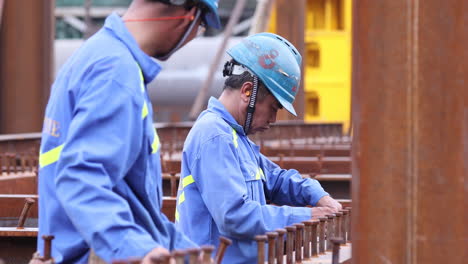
(271, 246)
(8, 163)
(319, 163)
(47, 246)
(179, 256)
(344, 224)
(280, 245)
(225, 242)
(24, 214)
(290, 243)
(207, 252)
(281, 160)
(173, 184)
(1, 155)
(336, 249)
(2, 3)
(22, 157)
(322, 235)
(194, 253)
(348, 224)
(330, 230)
(299, 241)
(261, 248)
(307, 238)
(338, 222)
(314, 237)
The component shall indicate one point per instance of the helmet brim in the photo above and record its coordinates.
(286, 105)
(211, 16)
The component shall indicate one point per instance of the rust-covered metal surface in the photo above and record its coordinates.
(26, 41)
(410, 137)
(173, 135)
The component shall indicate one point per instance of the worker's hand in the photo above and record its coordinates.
(154, 253)
(327, 201)
(318, 212)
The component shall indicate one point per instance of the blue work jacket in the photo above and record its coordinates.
(100, 172)
(226, 183)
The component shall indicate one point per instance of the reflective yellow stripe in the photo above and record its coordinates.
(142, 79)
(155, 144)
(259, 174)
(234, 135)
(144, 112)
(181, 198)
(50, 156)
(187, 181)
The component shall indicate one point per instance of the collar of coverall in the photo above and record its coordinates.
(215, 106)
(150, 67)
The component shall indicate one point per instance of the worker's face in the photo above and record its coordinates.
(197, 28)
(180, 32)
(265, 114)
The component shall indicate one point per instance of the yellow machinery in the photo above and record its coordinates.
(327, 67)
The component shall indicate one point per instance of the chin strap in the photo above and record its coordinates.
(233, 68)
(184, 37)
(251, 106)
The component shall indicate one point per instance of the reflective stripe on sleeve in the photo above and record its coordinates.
(50, 156)
(144, 111)
(234, 138)
(177, 215)
(142, 79)
(187, 181)
(259, 174)
(181, 198)
(155, 144)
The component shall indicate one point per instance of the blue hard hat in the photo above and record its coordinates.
(211, 16)
(275, 61)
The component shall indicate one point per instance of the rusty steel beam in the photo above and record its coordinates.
(26, 41)
(410, 117)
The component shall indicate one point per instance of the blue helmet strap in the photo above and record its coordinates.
(251, 106)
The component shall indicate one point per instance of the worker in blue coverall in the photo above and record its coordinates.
(226, 180)
(100, 173)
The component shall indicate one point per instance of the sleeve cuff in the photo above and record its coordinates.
(317, 196)
(300, 214)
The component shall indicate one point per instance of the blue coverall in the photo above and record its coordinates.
(100, 171)
(226, 183)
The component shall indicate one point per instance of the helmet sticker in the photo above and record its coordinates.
(267, 61)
